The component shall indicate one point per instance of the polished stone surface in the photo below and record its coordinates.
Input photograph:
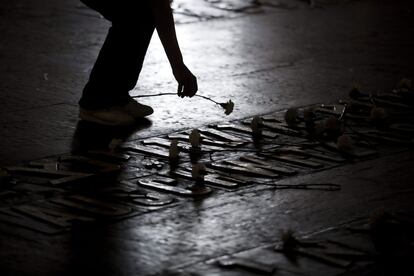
(265, 58)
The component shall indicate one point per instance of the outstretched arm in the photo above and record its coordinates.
(164, 23)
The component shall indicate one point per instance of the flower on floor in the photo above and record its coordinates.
(404, 84)
(5, 177)
(228, 107)
(174, 151)
(288, 239)
(3, 173)
(198, 171)
(291, 116)
(319, 128)
(344, 143)
(195, 138)
(355, 91)
(256, 125)
(378, 114)
(332, 124)
(309, 115)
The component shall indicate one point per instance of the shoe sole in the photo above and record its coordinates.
(90, 118)
(138, 115)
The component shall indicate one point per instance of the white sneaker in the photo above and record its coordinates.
(137, 110)
(110, 116)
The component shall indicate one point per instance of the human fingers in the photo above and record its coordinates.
(190, 87)
(180, 90)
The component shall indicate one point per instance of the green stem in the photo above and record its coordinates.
(169, 94)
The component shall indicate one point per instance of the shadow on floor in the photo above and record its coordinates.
(90, 136)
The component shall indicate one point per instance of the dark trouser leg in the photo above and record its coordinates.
(120, 60)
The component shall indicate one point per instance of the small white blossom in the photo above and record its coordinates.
(195, 138)
(174, 150)
(256, 125)
(198, 171)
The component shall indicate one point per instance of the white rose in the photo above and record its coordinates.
(344, 143)
(228, 107)
(404, 84)
(308, 114)
(291, 116)
(332, 123)
(319, 127)
(195, 139)
(174, 150)
(198, 171)
(256, 125)
(378, 114)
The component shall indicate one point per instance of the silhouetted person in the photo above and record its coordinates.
(105, 98)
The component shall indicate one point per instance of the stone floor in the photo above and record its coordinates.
(266, 59)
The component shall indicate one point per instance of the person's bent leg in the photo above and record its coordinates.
(119, 62)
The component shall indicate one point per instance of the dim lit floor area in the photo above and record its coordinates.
(309, 174)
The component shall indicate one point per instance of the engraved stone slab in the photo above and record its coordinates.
(158, 141)
(59, 177)
(277, 127)
(311, 154)
(11, 217)
(247, 264)
(206, 145)
(221, 135)
(146, 150)
(151, 184)
(358, 152)
(46, 216)
(209, 179)
(250, 171)
(281, 129)
(295, 161)
(92, 206)
(110, 155)
(246, 130)
(263, 164)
